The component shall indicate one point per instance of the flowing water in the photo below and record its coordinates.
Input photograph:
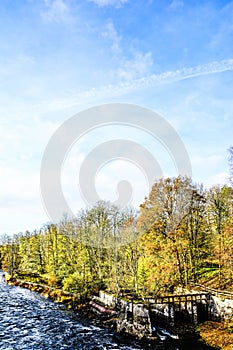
(29, 321)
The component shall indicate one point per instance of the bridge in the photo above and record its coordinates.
(179, 313)
(177, 309)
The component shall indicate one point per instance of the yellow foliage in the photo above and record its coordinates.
(216, 335)
(52, 280)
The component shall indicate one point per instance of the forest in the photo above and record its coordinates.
(181, 235)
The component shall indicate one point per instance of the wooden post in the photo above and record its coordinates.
(195, 320)
(132, 310)
(179, 305)
(172, 312)
(169, 313)
(192, 301)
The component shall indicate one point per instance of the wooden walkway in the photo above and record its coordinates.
(179, 298)
(217, 292)
(173, 309)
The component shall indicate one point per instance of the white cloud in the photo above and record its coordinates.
(208, 161)
(111, 34)
(22, 147)
(137, 67)
(16, 136)
(210, 169)
(119, 170)
(25, 59)
(176, 4)
(219, 179)
(106, 181)
(129, 69)
(115, 3)
(56, 11)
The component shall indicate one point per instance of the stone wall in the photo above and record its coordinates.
(136, 318)
(220, 309)
(132, 318)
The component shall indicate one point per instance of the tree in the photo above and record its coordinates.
(231, 164)
(172, 229)
(104, 230)
(10, 257)
(220, 204)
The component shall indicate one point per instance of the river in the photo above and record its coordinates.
(30, 321)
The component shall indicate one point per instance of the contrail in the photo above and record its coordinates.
(153, 80)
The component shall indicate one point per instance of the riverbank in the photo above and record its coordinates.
(74, 301)
(217, 334)
(86, 312)
(214, 334)
(30, 321)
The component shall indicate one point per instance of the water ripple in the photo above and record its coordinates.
(31, 322)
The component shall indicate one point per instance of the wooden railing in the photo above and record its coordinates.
(217, 292)
(178, 298)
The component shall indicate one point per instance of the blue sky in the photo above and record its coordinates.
(58, 57)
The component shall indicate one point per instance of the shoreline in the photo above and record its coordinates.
(84, 311)
(217, 334)
(212, 334)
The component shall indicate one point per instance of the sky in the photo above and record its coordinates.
(60, 57)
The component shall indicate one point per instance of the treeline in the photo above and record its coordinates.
(182, 234)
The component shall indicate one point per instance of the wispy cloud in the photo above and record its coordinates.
(136, 67)
(129, 68)
(168, 77)
(56, 11)
(176, 4)
(221, 178)
(208, 161)
(115, 3)
(111, 34)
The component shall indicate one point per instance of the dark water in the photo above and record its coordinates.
(29, 321)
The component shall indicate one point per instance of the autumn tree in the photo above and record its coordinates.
(172, 229)
(182, 234)
(231, 165)
(219, 205)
